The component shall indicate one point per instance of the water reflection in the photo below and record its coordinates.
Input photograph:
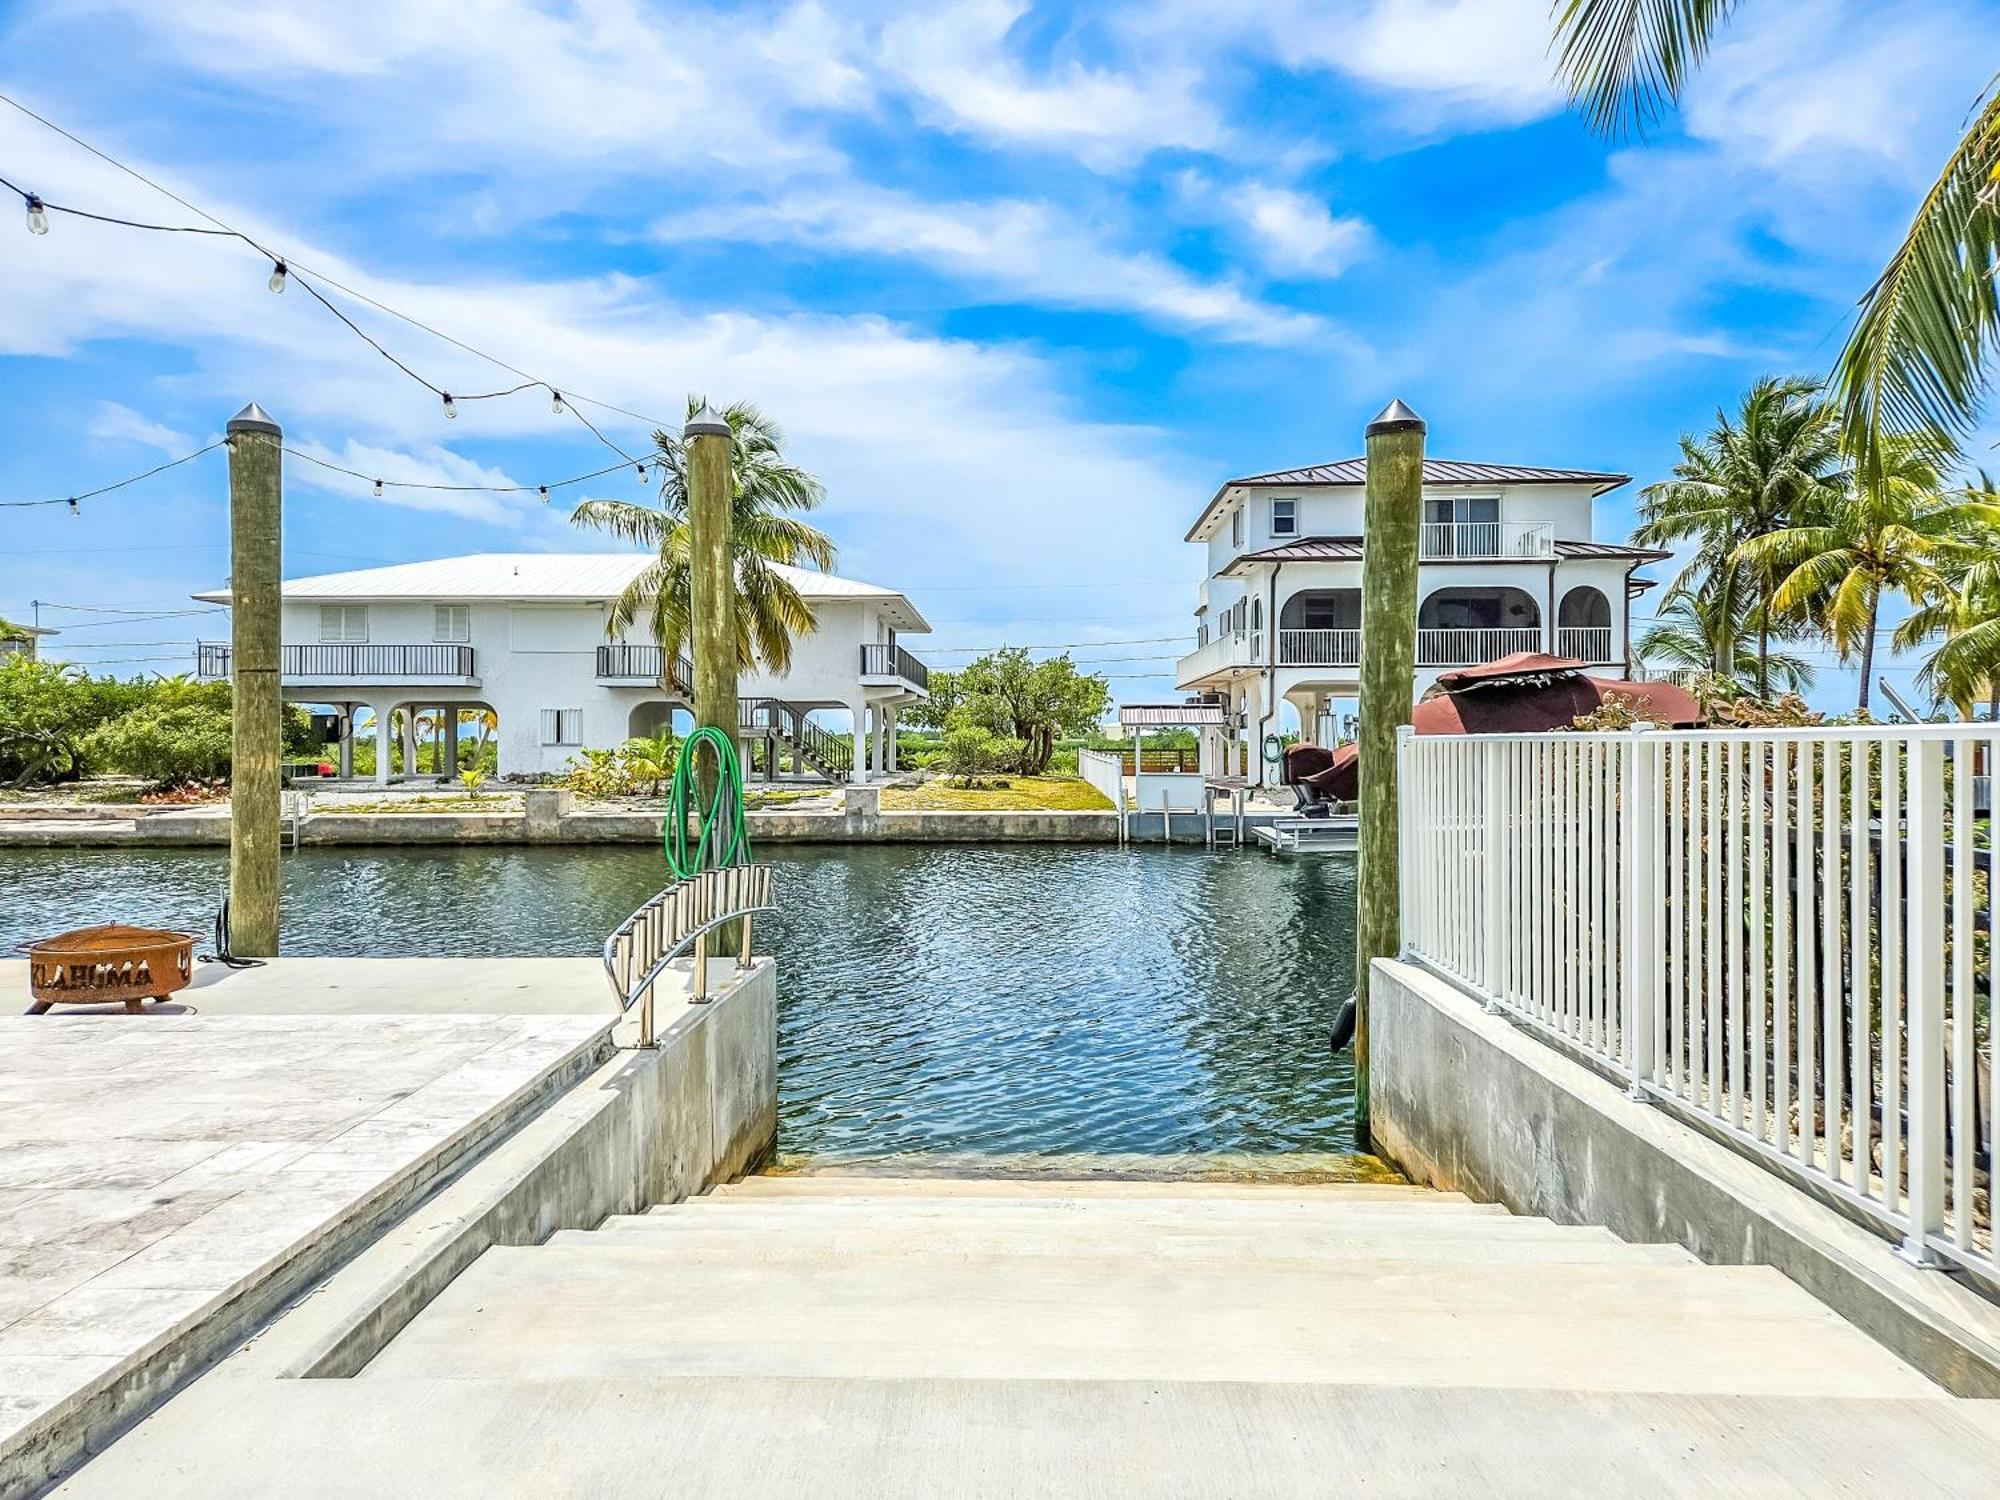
(980, 1000)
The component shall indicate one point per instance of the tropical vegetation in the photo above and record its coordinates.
(58, 723)
(1917, 359)
(1022, 706)
(766, 536)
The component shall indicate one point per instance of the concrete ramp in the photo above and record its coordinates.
(882, 1337)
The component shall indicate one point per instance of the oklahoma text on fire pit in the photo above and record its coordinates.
(109, 963)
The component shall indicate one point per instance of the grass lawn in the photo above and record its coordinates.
(1022, 794)
(452, 804)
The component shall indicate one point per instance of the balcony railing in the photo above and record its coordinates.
(1319, 648)
(644, 664)
(1237, 648)
(1591, 643)
(1471, 647)
(894, 661)
(1449, 540)
(379, 663)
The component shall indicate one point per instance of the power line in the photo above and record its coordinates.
(285, 270)
(1150, 640)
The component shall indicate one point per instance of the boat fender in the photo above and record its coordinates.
(1343, 1026)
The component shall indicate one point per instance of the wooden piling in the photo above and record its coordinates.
(256, 505)
(1391, 526)
(712, 586)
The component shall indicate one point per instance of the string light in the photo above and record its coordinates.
(277, 281)
(71, 500)
(555, 402)
(642, 473)
(450, 408)
(378, 489)
(544, 489)
(38, 209)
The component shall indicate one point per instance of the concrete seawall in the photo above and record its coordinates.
(551, 818)
(1467, 1101)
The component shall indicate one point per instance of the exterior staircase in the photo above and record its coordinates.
(784, 726)
(904, 1337)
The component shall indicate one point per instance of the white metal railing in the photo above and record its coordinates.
(1785, 935)
(1590, 643)
(683, 915)
(1470, 647)
(1496, 539)
(1319, 648)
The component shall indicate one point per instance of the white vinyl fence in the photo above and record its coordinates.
(1783, 934)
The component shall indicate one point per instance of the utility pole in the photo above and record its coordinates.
(256, 508)
(1390, 529)
(713, 585)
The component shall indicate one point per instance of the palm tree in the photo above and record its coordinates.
(1894, 531)
(770, 611)
(1778, 460)
(1962, 610)
(1916, 360)
(1707, 633)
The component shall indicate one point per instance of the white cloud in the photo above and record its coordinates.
(1017, 248)
(120, 424)
(1485, 61)
(1297, 233)
(955, 60)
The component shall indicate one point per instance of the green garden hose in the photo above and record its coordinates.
(723, 839)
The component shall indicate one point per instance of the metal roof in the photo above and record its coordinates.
(1170, 715)
(1437, 472)
(549, 577)
(1349, 549)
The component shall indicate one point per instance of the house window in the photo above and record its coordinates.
(562, 726)
(1236, 527)
(1256, 615)
(343, 622)
(1284, 518)
(453, 624)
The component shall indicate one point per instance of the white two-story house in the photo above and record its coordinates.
(1507, 563)
(521, 638)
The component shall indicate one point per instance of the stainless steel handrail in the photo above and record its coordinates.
(645, 944)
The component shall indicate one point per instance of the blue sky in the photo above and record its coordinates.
(1022, 283)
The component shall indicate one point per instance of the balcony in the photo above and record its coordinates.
(354, 665)
(1473, 541)
(1236, 649)
(1587, 643)
(1469, 647)
(644, 666)
(893, 666)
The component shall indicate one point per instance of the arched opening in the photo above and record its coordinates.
(1321, 609)
(1583, 625)
(655, 717)
(1584, 607)
(1479, 609)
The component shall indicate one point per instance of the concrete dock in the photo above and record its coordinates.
(167, 1180)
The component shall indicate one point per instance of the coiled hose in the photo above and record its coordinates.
(722, 838)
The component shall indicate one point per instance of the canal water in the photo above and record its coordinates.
(938, 1001)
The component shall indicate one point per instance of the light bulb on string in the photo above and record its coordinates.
(74, 508)
(555, 402)
(38, 215)
(545, 494)
(450, 408)
(642, 473)
(378, 489)
(277, 281)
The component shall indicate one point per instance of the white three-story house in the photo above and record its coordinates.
(520, 640)
(1507, 563)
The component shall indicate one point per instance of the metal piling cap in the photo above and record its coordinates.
(253, 418)
(1396, 417)
(708, 422)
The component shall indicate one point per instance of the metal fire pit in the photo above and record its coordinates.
(107, 964)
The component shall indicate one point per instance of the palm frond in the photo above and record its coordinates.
(1916, 360)
(1625, 61)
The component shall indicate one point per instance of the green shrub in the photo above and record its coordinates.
(176, 738)
(967, 753)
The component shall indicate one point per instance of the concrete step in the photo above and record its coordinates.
(674, 1243)
(599, 1309)
(1075, 1209)
(862, 1185)
(887, 1440)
